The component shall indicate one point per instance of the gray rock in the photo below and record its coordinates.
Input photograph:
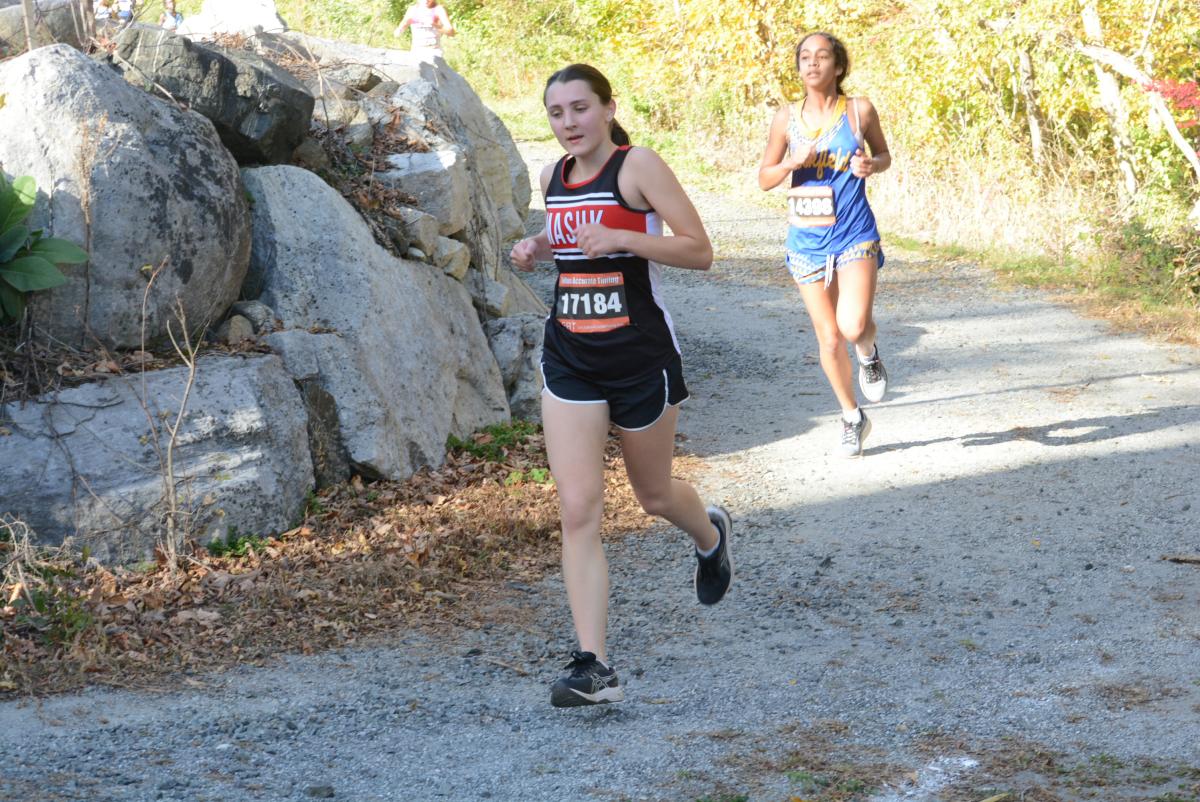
(437, 180)
(56, 21)
(396, 345)
(434, 98)
(261, 112)
(359, 132)
(384, 90)
(241, 458)
(310, 153)
(259, 314)
(359, 77)
(516, 343)
(235, 330)
(452, 257)
(138, 182)
(422, 228)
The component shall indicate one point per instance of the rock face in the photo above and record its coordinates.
(57, 21)
(260, 111)
(517, 344)
(247, 17)
(83, 464)
(138, 183)
(395, 344)
(472, 179)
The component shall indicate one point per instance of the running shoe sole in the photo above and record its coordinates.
(570, 697)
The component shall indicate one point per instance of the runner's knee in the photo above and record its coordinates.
(829, 339)
(581, 514)
(655, 502)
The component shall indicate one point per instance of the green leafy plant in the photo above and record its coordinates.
(492, 442)
(235, 544)
(28, 261)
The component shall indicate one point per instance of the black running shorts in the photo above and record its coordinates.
(633, 405)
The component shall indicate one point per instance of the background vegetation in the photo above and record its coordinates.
(1004, 126)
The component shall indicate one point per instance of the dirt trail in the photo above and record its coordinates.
(979, 605)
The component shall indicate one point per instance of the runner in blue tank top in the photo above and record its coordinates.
(833, 250)
(610, 356)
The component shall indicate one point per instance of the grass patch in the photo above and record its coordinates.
(236, 545)
(1131, 299)
(493, 443)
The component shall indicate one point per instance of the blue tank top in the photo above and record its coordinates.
(835, 144)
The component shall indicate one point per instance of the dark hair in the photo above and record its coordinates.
(598, 83)
(841, 58)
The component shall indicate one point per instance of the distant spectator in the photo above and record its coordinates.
(429, 22)
(103, 10)
(170, 18)
(125, 11)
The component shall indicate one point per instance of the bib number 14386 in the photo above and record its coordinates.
(589, 303)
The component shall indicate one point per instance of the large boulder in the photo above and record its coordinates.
(260, 111)
(139, 183)
(55, 21)
(395, 344)
(441, 109)
(246, 17)
(85, 464)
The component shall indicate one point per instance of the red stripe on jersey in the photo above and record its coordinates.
(561, 221)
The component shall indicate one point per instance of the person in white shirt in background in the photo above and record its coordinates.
(430, 23)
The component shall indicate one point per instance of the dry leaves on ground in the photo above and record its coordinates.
(368, 558)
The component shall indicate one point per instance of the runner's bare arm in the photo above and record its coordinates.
(880, 159)
(534, 249)
(777, 164)
(647, 182)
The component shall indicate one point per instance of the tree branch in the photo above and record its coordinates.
(1122, 65)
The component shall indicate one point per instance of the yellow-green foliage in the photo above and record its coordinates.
(701, 76)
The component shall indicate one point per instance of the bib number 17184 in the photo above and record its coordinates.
(589, 303)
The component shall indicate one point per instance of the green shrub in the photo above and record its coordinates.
(28, 261)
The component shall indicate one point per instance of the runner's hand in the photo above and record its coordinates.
(524, 254)
(802, 156)
(861, 165)
(596, 240)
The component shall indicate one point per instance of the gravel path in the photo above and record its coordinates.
(989, 574)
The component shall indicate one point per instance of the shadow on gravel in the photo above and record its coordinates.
(1068, 432)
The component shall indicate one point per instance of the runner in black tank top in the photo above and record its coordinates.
(610, 355)
(607, 322)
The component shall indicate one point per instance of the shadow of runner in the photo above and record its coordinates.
(1069, 432)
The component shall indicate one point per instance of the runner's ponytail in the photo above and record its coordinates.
(618, 134)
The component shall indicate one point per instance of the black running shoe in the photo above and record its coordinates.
(715, 572)
(589, 682)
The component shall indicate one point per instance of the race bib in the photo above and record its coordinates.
(811, 207)
(589, 303)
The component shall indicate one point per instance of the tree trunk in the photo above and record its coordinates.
(1114, 107)
(1033, 112)
(30, 16)
(1124, 66)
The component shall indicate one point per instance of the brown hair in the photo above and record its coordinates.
(598, 83)
(841, 58)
